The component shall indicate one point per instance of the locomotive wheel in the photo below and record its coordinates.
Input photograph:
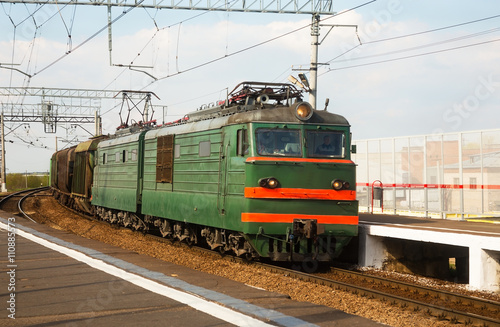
(310, 265)
(165, 229)
(248, 256)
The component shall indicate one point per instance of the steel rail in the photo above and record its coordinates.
(11, 195)
(20, 203)
(431, 292)
(435, 310)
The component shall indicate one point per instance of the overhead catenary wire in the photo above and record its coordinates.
(433, 30)
(70, 29)
(261, 43)
(86, 40)
(254, 46)
(178, 71)
(32, 45)
(158, 29)
(178, 34)
(414, 48)
(248, 48)
(37, 28)
(353, 48)
(31, 15)
(417, 47)
(411, 56)
(216, 59)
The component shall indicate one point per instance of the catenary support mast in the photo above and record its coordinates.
(313, 70)
(4, 188)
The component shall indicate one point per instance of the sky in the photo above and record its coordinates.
(400, 68)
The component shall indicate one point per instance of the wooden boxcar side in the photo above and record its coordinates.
(65, 161)
(84, 167)
(53, 170)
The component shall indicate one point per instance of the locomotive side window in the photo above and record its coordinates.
(242, 142)
(134, 155)
(164, 159)
(278, 142)
(104, 158)
(177, 151)
(204, 150)
(125, 155)
(325, 144)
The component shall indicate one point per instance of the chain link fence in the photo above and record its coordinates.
(453, 175)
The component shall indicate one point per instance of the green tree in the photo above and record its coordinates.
(15, 182)
(19, 182)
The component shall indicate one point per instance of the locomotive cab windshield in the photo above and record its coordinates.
(325, 144)
(278, 142)
(289, 143)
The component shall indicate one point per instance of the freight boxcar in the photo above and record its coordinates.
(62, 163)
(83, 174)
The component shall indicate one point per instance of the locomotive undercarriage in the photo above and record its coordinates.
(227, 241)
(319, 248)
(216, 239)
(305, 241)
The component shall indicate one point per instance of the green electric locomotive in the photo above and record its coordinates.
(261, 174)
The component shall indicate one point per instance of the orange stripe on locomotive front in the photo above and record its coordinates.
(289, 218)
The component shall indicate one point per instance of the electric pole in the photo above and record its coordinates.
(313, 70)
(4, 188)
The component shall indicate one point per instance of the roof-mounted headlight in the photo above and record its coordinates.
(303, 111)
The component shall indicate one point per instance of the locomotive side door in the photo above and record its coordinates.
(222, 180)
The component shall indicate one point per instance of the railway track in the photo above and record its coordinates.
(472, 311)
(425, 294)
(453, 307)
(17, 199)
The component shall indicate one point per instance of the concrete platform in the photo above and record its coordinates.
(426, 245)
(50, 277)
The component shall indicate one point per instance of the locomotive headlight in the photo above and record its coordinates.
(303, 111)
(269, 182)
(272, 183)
(338, 184)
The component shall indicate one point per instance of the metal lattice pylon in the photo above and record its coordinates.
(261, 6)
(49, 117)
